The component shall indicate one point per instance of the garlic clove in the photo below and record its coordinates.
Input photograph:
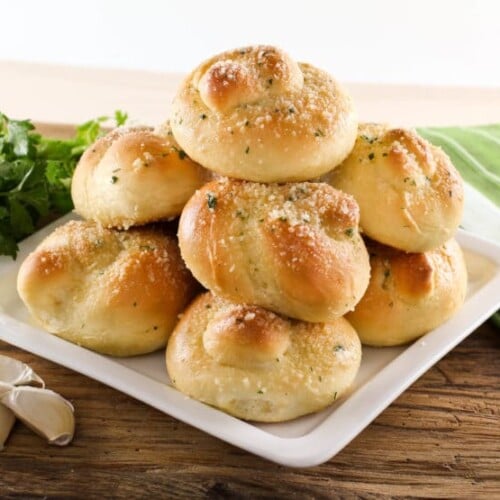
(16, 372)
(7, 419)
(43, 411)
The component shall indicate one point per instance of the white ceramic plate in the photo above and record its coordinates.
(385, 373)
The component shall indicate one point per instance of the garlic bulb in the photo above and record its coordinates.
(44, 411)
(7, 420)
(16, 372)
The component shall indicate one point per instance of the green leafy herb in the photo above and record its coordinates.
(385, 282)
(241, 214)
(211, 201)
(371, 156)
(36, 173)
(349, 232)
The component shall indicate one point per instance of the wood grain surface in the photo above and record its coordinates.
(440, 439)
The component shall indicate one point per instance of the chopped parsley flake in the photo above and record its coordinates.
(371, 156)
(349, 232)
(241, 214)
(114, 179)
(211, 201)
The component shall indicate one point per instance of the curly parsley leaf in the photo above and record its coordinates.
(36, 173)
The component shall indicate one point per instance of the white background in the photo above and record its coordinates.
(443, 42)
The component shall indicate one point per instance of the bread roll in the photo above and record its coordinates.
(409, 293)
(409, 193)
(257, 365)
(293, 248)
(117, 293)
(256, 114)
(134, 176)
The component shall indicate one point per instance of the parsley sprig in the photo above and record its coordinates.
(35, 175)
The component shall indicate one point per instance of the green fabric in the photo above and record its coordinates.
(475, 151)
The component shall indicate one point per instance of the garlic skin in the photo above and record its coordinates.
(7, 419)
(16, 372)
(45, 412)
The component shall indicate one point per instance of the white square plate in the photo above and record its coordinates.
(385, 372)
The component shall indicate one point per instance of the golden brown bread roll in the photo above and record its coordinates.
(133, 176)
(257, 365)
(256, 114)
(293, 248)
(409, 193)
(409, 293)
(114, 292)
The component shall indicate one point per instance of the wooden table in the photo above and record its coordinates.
(441, 438)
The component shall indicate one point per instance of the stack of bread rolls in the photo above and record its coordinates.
(105, 283)
(280, 194)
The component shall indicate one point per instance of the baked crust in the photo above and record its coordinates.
(115, 292)
(133, 176)
(257, 365)
(409, 293)
(409, 193)
(256, 114)
(292, 248)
